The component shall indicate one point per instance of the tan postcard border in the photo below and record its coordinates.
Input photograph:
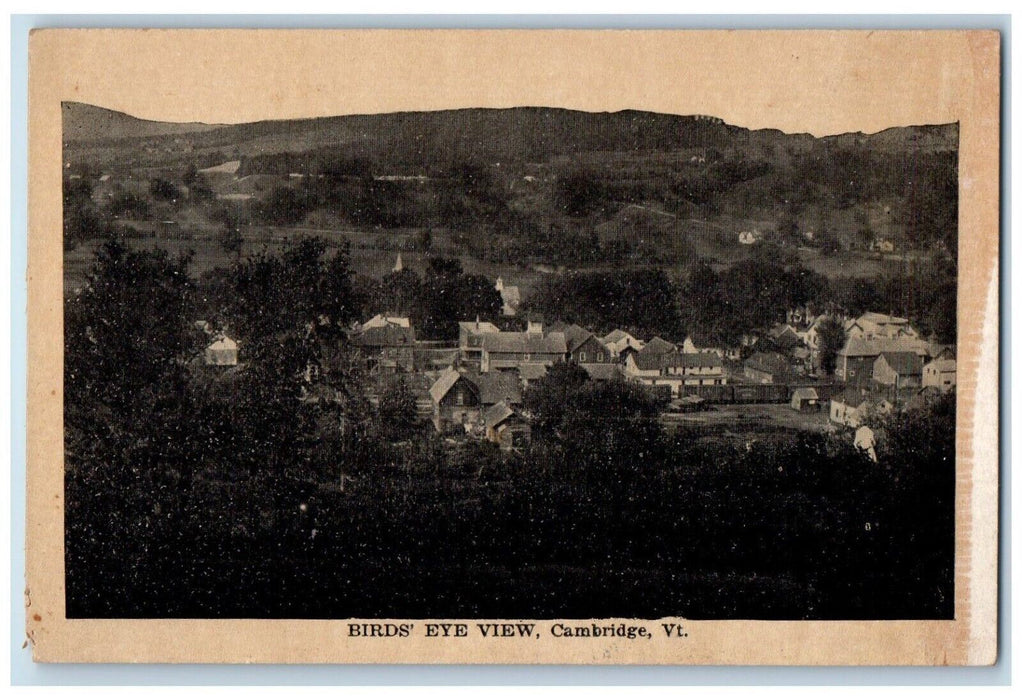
(821, 82)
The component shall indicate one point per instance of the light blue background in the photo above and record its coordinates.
(25, 672)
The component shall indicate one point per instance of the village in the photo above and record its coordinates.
(522, 363)
(473, 390)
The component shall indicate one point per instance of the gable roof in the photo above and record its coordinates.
(531, 370)
(445, 383)
(510, 342)
(496, 387)
(874, 347)
(575, 336)
(658, 346)
(943, 365)
(770, 362)
(478, 327)
(852, 399)
(693, 359)
(389, 335)
(615, 335)
(223, 343)
(805, 392)
(601, 371)
(496, 414)
(903, 362)
(380, 320)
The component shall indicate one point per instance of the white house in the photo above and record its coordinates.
(941, 374)
(222, 353)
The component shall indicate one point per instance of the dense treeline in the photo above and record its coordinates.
(718, 307)
(195, 491)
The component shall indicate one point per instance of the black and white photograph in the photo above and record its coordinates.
(514, 347)
(508, 363)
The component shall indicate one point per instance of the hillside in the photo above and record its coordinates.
(528, 185)
(521, 134)
(85, 123)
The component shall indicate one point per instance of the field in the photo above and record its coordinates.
(748, 420)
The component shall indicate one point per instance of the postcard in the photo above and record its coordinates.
(528, 347)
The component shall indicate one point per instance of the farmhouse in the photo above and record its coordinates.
(855, 360)
(509, 350)
(621, 344)
(940, 374)
(456, 401)
(767, 368)
(470, 338)
(388, 348)
(583, 346)
(898, 369)
(505, 427)
(649, 362)
(849, 408)
(694, 369)
(873, 325)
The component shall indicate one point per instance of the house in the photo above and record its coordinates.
(584, 347)
(898, 369)
(506, 427)
(498, 387)
(455, 400)
(941, 374)
(621, 344)
(855, 360)
(767, 368)
(672, 371)
(871, 325)
(806, 400)
(381, 320)
(811, 337)
(849, 408)
(529, 372)
(749, 237)
(689, 346)
(649, 362)
(783, 336)
(509, 350)
(693, 369)
(602, 371)
(470, 338)
(390, 347)
(510, 297)
(222, 352)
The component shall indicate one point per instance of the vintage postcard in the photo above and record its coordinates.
(588, 347)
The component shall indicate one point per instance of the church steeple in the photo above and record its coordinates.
(398, 265)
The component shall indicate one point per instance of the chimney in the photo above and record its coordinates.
(534, 325)
(477, 322)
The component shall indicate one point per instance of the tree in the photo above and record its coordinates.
(190, 175)
(425, 240)
(284, 206)
(832, 338)
(163, 190)
(231, 240)
(81, 220)
(397, 412)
